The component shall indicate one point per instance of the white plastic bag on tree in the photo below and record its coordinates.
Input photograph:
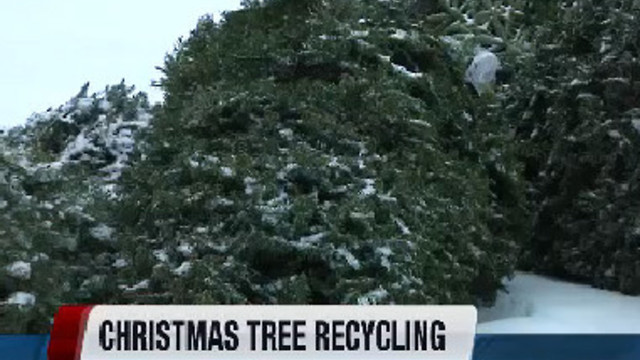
(482, 71)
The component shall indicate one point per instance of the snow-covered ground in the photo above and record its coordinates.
(537, 304)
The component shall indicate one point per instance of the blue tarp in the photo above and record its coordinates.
(487, 347)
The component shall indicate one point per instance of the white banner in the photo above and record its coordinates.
(265, 332)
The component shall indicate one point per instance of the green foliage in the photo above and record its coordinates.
(56, 186)
(260, 171)
(306, 152)
(329, 152)
(578, 120)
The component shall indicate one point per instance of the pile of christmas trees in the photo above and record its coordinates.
(331, 152)
(58, 181)
(579, 123)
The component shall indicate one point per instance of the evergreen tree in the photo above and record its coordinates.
(320, 152)
(330, 152)
(58, 176)
(578, 121)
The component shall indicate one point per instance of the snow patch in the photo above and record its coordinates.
(387, 198)
(183, 269)
(536, 305)
(403, 70)
(384, 253)
(40, 257)
(359, 33)
(250, 185)
(161, 255)
(102, 232)
(399, 34)
(104, 105)
(636, 124)
(615, 134)
(402, 226)
(369, 187)
(120, 263)
(351, 260)
(226, 171)
(142, 285)
(185, 249)
(84, 104)
(311, 240)
(19, 270)
(420, 122)
(286, 133)
(361, 216)
(21, 298)
(373, 297)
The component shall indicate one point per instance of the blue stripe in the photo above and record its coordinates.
(23, 347)
(557, 347)
(487, 347)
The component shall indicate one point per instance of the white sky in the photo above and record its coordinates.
(49, 48)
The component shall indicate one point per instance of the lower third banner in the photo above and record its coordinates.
(487, 347)
(258, 332)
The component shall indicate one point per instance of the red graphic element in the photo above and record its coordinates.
(69, 325)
